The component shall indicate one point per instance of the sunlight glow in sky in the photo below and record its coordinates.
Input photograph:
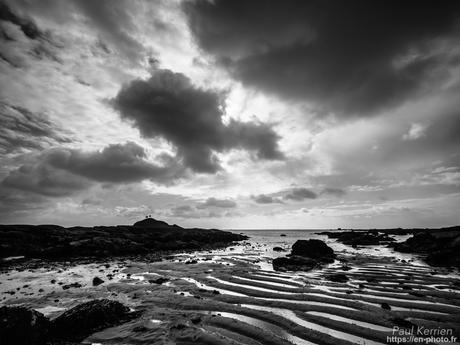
(218, 114)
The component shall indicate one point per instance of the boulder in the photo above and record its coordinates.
(313, 249)
(97, 281)
(278, 249)
(86, 318)
(19, 325)
(385, 306)
(294, 263)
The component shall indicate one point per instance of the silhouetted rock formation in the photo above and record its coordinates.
(305, 255)
(146, 236)
(153, 223)
(359, 237)
(314, 249)
(442, 246)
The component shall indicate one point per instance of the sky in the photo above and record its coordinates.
(230, 113)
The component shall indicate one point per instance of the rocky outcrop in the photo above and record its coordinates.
(360, 237)
(440, 247)
(146, 236)
(19, 325)
(305, 255)
(87, 318)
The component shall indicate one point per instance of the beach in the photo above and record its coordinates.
(233, 296)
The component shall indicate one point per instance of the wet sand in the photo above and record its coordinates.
(233, 296)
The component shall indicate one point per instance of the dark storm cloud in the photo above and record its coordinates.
(44, 180)
(266, 199)
(300, 194)
(120, 163)
(349, 57)
(27, 25)
(22, 129)
(60, 172)
(111, 21)
(221, 203)
(169, 106)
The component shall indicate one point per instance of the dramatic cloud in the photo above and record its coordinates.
(45, 180)
(115, 22)
(28, 26)
(299, 194)
(168, 105)
(22, 129)
(221, 203)
(60, 172)
(353, 58)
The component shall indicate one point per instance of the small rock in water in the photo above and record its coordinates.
(385, 306)
(278, 249)
(283, 235)
(97, 281)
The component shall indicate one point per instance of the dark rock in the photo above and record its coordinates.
(19, 325)
(97, 281)
(314, 249)
(398, 321)
(73, 285)
(139, 329)
(151, 223)
(294, 263)
(190, 262)
(158, 281)
(147, 236)
(283, 235)
(442, 246)
(86, 318)
(278, 249)
(338, 278)
(385, 306)
(196, 320)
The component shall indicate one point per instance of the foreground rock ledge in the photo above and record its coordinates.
(20, 325)
(144, 237)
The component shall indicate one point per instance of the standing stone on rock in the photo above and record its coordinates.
(19, 325)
